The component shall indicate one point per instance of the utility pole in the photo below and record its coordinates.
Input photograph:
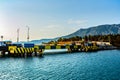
(28, 37)
(18, 35)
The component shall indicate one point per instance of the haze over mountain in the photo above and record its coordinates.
(96, 30)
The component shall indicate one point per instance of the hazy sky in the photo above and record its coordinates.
(53, 18)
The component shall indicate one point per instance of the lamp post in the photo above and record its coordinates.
(2, 38)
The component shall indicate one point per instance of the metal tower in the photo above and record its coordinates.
(28, 37)
(18, 35)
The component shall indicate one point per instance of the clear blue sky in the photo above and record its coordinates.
(53, 18)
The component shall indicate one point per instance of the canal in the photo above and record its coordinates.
(101, 65)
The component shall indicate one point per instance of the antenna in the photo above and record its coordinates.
(18, 34)
(28, 37)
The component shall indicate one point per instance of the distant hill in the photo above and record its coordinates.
(97, 30)
(40, 41)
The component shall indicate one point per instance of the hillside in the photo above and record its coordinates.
(97, 30)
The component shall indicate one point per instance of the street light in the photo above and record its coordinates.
(2, 38)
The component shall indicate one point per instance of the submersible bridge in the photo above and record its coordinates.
(39, 49)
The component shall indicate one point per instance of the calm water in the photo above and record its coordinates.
(102, 65)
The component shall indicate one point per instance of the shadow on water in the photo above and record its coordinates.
(25, 57)
(55, 53)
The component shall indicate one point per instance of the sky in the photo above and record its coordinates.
(54, 18)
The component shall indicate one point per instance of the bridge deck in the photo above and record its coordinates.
(58, 47)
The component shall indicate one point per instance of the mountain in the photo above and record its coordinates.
(40, 41)
(97, 30)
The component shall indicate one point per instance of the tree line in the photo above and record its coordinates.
(114, 39)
